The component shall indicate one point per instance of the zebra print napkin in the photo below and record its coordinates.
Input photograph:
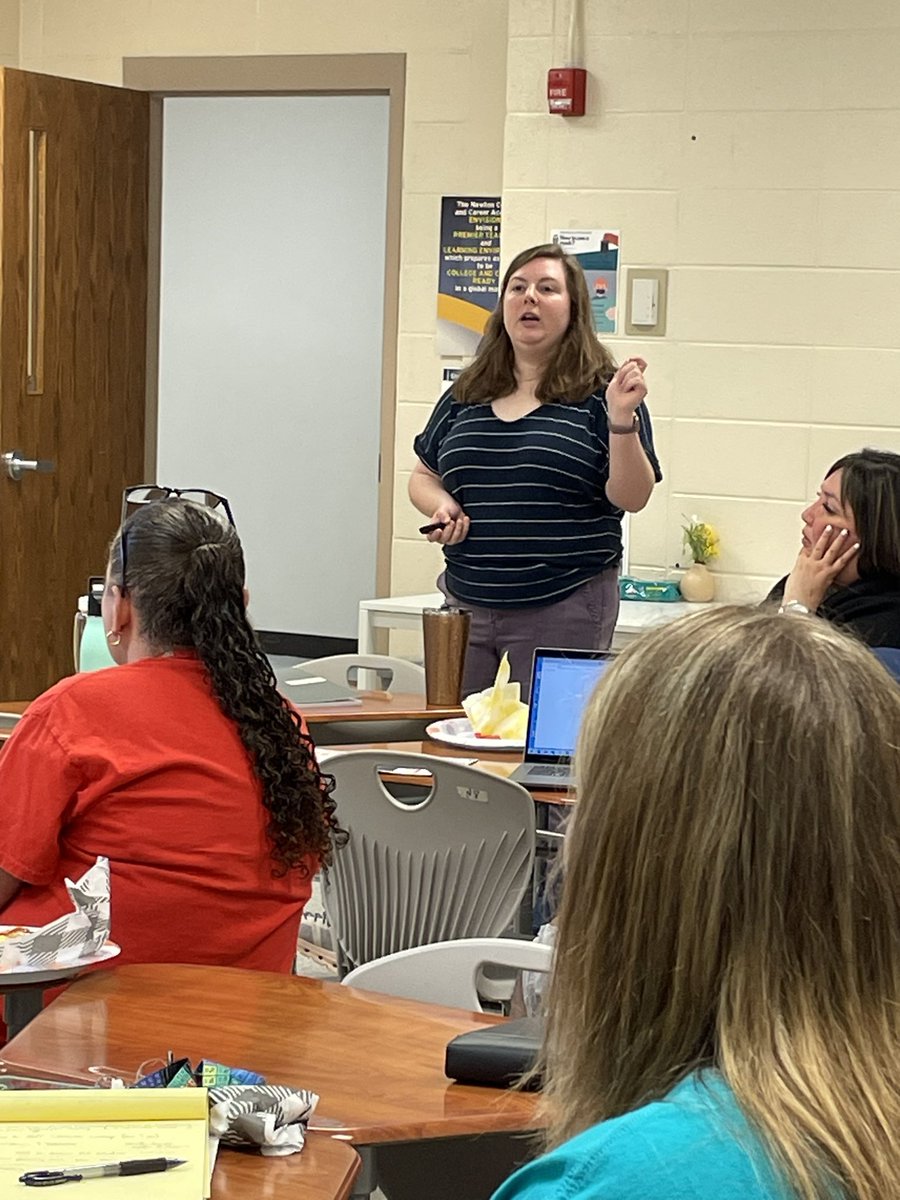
(271, 1117)
(70, 939)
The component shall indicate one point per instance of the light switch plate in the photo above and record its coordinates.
(637, 328)
(644, 295)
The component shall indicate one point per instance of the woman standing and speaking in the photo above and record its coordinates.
(525, 468)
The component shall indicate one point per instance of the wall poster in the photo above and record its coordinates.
(598, 252)
(469, 271)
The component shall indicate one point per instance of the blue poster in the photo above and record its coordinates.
(597, 250)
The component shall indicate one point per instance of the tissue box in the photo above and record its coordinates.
(663, 591)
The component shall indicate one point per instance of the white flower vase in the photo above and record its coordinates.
(698, 584)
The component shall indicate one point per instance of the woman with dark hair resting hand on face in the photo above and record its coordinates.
(724, 1010)
(182, 764)
(848, 568)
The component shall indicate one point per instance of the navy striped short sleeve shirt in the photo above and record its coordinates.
(534, 490)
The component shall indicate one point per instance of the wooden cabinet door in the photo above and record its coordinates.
(73, 301)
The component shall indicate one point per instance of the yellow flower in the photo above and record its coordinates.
(700, 539)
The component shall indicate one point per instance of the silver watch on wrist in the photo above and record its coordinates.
(634, 427)
(794, 606)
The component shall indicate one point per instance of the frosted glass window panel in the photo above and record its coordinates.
(271, 322)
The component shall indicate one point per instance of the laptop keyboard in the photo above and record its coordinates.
(556, 772)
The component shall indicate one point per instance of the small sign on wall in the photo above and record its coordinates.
(597, 250)
(469, 276)
(448, 375)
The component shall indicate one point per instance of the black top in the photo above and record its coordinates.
(870, 608)
(534, 491)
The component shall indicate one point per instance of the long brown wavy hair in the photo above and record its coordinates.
(185, 577)
(732, 894)
(579, 366)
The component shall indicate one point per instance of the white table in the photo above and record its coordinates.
(405, 612)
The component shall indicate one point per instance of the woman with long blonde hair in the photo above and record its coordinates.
(724, 1015)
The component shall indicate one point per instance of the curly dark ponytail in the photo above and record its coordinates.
(185, 577)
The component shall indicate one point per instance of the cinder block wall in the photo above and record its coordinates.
(9, 33)
(749, 148)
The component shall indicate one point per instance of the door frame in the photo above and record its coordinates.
(285, 75)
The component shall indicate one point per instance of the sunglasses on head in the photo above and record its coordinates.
(150, 493)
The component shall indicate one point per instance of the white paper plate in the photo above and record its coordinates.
(458, 731)
(27, 974)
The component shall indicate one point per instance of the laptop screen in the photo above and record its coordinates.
(561, 682)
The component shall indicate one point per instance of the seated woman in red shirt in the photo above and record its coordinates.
(182, 764)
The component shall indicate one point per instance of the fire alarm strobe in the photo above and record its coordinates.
(565, 91)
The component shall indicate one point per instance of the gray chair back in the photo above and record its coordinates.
(394, 674)
(455, 864)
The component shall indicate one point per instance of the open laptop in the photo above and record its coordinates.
(561, 682)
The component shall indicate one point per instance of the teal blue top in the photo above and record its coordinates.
(695, 1144)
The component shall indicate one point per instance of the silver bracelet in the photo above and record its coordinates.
(794, 606)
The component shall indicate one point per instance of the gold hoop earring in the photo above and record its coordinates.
(113, 638)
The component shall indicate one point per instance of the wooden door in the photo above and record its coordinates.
(73, 274)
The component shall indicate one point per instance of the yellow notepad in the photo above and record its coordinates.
(63, 1129)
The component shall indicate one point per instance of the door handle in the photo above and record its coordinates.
(16, 465)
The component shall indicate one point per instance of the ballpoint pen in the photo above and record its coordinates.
(135, 1166)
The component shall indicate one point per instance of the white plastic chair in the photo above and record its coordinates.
(394, 674)
(447, 972)
(454, 864)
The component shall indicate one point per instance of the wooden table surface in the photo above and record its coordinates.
(385, 706)
(497, 762)
(324, 1170)
(377, 1062)
(375, 706)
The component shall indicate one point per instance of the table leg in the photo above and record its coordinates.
(20, 1007)
(364, 632)
(366, 681)
(367, 1180)
(549, 843)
